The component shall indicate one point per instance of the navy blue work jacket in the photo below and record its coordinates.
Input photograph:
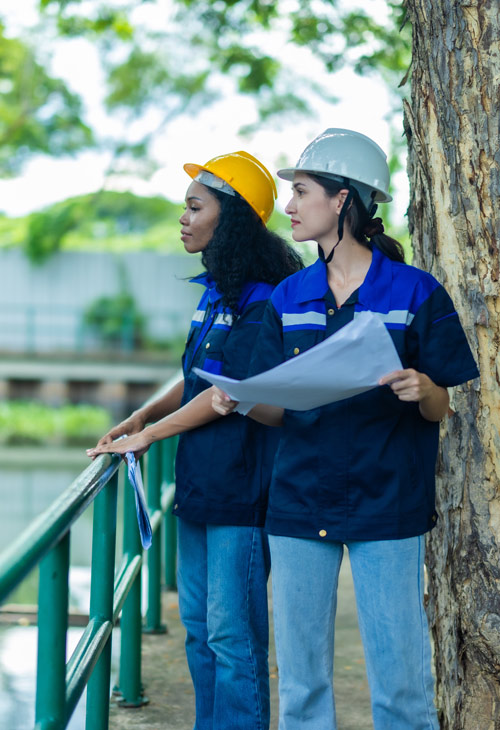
(361, 468)
(223, 469)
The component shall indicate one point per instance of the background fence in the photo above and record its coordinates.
(42, 307)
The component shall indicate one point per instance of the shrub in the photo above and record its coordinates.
(30, 423)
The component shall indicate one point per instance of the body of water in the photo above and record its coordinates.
(29, 482)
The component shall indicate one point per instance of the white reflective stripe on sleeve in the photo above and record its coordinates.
(303, 318)
(199, 315)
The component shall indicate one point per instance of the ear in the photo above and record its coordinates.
(341, 198)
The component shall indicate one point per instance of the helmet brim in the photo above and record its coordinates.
(288, 173)
(192, 169)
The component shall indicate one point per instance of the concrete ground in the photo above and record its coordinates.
(168, 685)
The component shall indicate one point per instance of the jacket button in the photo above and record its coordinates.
(296, 350)
(322, 533)
(175, 506)
(207, 346)
(331, 311)
(434, 518)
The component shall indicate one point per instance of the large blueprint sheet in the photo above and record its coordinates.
(347, 363)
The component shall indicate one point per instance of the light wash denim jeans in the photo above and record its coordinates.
(388, 582)
(222, 579)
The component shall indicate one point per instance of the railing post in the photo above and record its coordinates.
(130, 688)
(101, 600)
(168, 458)
(52, 629)
(153, 616)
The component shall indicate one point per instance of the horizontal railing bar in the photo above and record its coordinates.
(124, 581)
(84, 659)
(47, 529)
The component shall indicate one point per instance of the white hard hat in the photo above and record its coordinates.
(350, 158)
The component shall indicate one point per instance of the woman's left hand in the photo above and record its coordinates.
(221, 402)
(411, 386)
(138, 443)
(408, 385)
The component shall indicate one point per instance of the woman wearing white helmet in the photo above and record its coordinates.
(358, 473)
(223, 466)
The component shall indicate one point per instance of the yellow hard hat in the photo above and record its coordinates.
(245, 174)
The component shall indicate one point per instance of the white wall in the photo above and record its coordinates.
(41, 307)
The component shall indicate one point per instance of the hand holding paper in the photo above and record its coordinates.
(347, 363)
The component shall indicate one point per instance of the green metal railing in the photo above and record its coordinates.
(46, 542)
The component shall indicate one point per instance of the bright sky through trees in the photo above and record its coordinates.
(363, 105)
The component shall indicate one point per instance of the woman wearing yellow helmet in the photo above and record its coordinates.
(223, 466)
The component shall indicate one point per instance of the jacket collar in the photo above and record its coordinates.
(206, 280)
(313, 283)
(374, 292)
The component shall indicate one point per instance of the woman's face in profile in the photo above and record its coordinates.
(313, 215)
(199, 219)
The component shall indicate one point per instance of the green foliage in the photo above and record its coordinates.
(164, 72)
(337, 33)
(212, 41)
(104, 220)
(24, 422)
(37, 112)
(255, 72)
(13, 231)
(385, 49)
(124, 222)
(106, 20)
(159, 73)
(129, 212)
(46, 231)
(162, 237)
(147, 78)
(117, 321)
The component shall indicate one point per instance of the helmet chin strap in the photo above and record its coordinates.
(340, 229)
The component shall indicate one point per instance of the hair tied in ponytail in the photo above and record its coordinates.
(373, 228)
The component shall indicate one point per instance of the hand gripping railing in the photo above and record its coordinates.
(59, 685)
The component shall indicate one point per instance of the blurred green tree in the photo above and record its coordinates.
(156, 72)
(37, 112)
(186, 63)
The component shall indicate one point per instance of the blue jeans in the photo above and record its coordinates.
(222, 581)
(388, 583)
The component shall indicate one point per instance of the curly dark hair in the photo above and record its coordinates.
(242, 249)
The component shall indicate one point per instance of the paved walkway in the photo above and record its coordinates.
(168, 684)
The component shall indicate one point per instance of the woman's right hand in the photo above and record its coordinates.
(133, 424)
(221, 402)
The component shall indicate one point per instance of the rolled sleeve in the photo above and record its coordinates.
(437, 342)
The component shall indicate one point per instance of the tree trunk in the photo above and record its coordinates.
(452, 126)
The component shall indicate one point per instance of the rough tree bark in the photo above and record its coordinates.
(452, 126)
